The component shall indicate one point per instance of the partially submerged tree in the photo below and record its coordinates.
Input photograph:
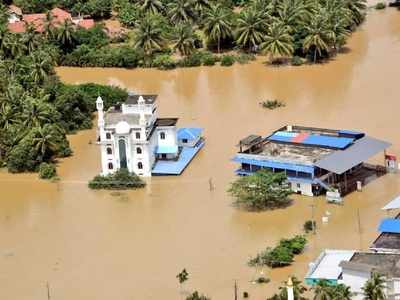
(261, 190)
(374, 288)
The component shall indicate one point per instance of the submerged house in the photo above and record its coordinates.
(315, 160)
(131, 136)
(354, 269)
(389, 237)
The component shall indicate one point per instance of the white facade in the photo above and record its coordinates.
(131, 136)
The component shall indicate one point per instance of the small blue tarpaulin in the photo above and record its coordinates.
(189, 134)
(167, 149)
(390, 226)
(274, 164)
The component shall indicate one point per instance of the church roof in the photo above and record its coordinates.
(133, 99)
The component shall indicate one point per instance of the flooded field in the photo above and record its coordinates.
(104, 245)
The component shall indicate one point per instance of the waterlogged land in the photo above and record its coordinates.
(103, 245)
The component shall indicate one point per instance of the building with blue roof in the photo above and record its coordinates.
(314, 159)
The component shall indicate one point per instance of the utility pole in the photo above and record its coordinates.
(313, 217)
(236, 291)
(359, 226)
(48, 290)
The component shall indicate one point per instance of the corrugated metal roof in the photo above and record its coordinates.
(340, 161)
(390, 226)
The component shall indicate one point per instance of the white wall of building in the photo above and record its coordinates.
(301, 187)
(170, 136)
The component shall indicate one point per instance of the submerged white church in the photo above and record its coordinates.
(132, 137)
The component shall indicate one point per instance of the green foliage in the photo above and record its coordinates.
(227, 60)
(47, 171)
(262, 280)
(380, 5)
(280, 256)
(183, 276)
(244, 58)
(374, 288)
(261, 190)
(297, 61)
(209, 59)
(164, 62)
(309, 225)
(196, 296)
(129, 14)
(193, 60)
(272, 104)
(120, 180)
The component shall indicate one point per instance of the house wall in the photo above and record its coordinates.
(302, 187)
(170, 136)
(355, 280)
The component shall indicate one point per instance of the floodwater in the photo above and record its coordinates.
(86, 244)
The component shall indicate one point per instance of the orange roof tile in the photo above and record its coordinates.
(17, 27)
(86, 23)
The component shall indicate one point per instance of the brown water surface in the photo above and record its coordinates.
(130, 245)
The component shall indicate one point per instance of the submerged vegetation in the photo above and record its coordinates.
(272, 104)
(261, 190)
(120, 180)
(36, 109)
(166, 34)
(282, 255)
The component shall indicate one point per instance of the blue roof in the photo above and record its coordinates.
(189, 133)
(274, 164)
(312, 139)
(166, 149)
(390, 226)
(168, 167)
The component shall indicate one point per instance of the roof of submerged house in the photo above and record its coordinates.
(394, 204)
(17, 27)
(189, 133)
(166, 122)
(360, 151)
(390, 226)
(385, 263)
(327, 264)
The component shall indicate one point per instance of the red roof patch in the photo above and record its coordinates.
(87, 23)
(17, 27)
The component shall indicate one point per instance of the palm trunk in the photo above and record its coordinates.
(315, 55)
(219, 45)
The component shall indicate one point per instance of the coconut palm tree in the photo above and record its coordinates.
(277, 42)
(48, 25)
(151, 6)
(374, 288)
(149, 35)
(41, 66)
(44, 140)
(251, 28)
(217, 24)
(30, 39)
(357, 8)
(200, 7)
(293, 13)
(318, 36)
(36, 112)
(12, 46)
(65, 34)
(183, 38)
(342, 292)
(322, 291)
(298, 290)
(181, 11)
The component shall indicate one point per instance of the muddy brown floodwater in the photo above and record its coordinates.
(130, 245)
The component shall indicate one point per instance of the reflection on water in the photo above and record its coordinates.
(130, 245)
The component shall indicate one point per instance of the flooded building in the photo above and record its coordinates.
(315, 160)
(131, 136)
(389, 237)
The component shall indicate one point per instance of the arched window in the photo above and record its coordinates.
(138, 135)
(110, 166)
(108, 135)
(162, 135)
(140, 165)
(109, 151)
(139, 150)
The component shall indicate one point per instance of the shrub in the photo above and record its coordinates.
(120, 180)
(244, 58)
(209, 59)
(193, 60)
(380, 5)
(47, 171)
(296, 244)
(281, 255)
(227, 60)
(197, 296)
(262, 280)
(261, 190)
(309, 225)
(164, 62)
(297, 61)
(272, 104)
